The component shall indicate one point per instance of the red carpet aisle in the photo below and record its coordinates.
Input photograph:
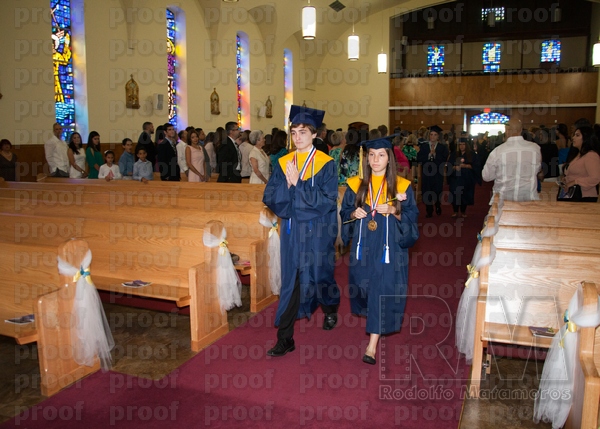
(416, 383)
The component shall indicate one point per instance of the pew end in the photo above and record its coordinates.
(53, 311)
(207, 322)
(260, 284)
(584, 411)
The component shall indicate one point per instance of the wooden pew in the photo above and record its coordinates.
(584, 411)
(30, 284)
(53, 310)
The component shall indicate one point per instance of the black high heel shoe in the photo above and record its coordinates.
(369, 359)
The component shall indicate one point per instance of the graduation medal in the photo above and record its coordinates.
(372, 224)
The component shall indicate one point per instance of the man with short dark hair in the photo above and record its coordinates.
(319, 140)
(145, 141)
(432, 156)
(229, 157)
(302, 191)
(167, 156)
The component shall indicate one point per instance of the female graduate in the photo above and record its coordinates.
(382, 217)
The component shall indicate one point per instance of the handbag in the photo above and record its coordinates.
(573, 194)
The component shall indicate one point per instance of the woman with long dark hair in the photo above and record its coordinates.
(93, 155)
(76, 156)
(381, 219)
(582, 173)
(465, 172)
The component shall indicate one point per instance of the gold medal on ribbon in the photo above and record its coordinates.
(372, 225)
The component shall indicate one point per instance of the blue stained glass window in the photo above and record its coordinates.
(435, 59)
(551, 51)
(238, 60)
(498, 13)
(172, 67)
(489, 118)
(491, 57)
(62, 58)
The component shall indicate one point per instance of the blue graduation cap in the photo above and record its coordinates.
(380, 143)
(306, 115)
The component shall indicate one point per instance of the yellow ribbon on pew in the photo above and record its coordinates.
(473, 274)
(222, 247)
(83, 273)
(273, 229)
(571, 327)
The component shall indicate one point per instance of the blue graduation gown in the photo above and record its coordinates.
(308, 243)
(378, 290)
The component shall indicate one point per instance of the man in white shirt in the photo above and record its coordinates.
(56, 153)
(181, 145)
(514, 166)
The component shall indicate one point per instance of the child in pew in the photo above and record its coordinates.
(109, 171)
(142, 169)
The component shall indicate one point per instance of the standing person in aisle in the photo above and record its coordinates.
(381, 217)
(303, 192)
(432, 156)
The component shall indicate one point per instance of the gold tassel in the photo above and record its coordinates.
(360, 162)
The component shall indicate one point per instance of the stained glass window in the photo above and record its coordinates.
(172, 67)
(62, 58)
(238, 59)
(489, 118)
(288, 82)
(491, 57)
(498, 12)
(551, 51)
(435, 59)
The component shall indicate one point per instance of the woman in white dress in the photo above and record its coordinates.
(76, 156)
(259, 160)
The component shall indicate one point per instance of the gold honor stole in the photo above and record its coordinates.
(319, 161)
(402, 185)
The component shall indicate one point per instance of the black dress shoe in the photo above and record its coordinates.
(369, 359)
(330, 321)
(438, 210)
(429, 215)
(282, 347)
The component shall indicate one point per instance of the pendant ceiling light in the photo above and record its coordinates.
(596, 54)
(353, 42)
(382, 57)
(309, 22)
(491, 18)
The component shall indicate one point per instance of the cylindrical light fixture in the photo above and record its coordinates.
(596, 54)
(382, 63)
(491, 18)
(556, 14)
(430, 22)
(309, 22)
(353, 47)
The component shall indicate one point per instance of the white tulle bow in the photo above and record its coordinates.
(229, 286)
(466, 315)
(560, 381)
(274, 252)
(91, 334)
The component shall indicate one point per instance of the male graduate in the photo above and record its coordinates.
(303, 192)
(433, 156)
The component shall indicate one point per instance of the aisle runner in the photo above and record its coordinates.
(417, 382)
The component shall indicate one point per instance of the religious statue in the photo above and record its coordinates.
(132, 93)
(269, 106)
(214, 103)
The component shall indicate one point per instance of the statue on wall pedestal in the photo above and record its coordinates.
(269, 106)
(132, 94)
(214, 103)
